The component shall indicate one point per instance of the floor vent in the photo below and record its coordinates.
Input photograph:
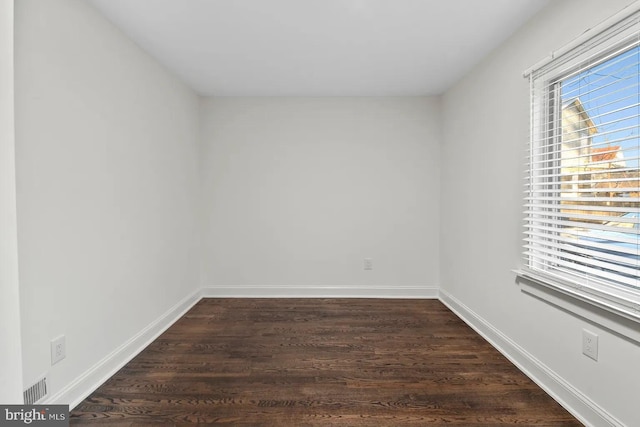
(36, 392)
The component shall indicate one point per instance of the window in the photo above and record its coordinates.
(583, 186)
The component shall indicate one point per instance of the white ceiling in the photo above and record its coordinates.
(319, 47)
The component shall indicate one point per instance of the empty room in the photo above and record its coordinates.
(320, 212)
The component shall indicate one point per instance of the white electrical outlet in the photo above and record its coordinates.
(368, 264)
(590, 344)
(58, 349)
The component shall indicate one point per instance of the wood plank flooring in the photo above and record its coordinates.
(320, 362)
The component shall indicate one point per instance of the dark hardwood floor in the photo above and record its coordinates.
(342, 362)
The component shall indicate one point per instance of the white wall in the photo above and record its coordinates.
(10, 347)
(107, 186)
(483, 167)
(298, 191)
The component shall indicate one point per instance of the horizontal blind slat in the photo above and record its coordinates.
(604, 250)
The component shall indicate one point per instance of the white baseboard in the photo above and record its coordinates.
(579, 405)
(79, 389)
(409, 292)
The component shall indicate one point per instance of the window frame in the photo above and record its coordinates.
(613, 37)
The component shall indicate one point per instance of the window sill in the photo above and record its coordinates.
(624, 321)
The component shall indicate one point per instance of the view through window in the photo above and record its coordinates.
(600, 177)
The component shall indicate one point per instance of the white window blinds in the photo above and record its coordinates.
(582, 204)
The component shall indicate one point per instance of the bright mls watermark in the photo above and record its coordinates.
(34, 415)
